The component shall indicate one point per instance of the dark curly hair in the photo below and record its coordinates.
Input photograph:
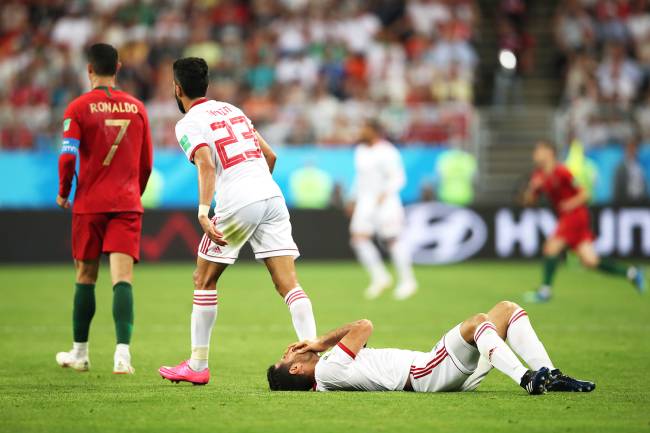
(191, 73)
(281, 380)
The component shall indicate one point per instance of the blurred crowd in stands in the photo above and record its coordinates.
(305, 71)
(605, 57)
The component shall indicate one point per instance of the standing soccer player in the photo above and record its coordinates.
(108, 130)
(573, 227)
(378, 211)
(234, 166)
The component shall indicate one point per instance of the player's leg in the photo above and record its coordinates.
(589, 258)
(273, 243)
(553, 247)
(123, 310)
(87, 233)
(204, 310)
(401, 257)
(211, 262)
(362, 228)
(512, 320)
(283, 274)
(122, 244)
(390, 226)
(482, 332)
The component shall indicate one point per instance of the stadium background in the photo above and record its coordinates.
(463, 87)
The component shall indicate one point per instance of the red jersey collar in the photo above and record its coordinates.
(197, 102)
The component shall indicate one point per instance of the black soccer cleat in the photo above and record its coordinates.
(535, 382)
(561, 383)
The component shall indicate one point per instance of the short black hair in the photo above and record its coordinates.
(191, 73)
(103, 59)
(281, 380)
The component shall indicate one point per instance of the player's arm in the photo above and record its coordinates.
(207, 176)
(68, 156)
(531, 193)
(353, 336)
(267, 151)
(395, 176)
(146, 156)
(579, 199)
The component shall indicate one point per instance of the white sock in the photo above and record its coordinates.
(302, 315)
(122, 351)
(204, 314)
(401, 258)
(525, 343)
(497, 352)
(369, 256)
(80, 350)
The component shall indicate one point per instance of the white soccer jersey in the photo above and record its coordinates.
(243, 176)
(369, 370)
(379, 171)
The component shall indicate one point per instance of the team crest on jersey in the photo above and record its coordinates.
(185, 143)
(66, 124)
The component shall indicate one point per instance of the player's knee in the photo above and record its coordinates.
(589, 262)
(86, 274)
(475, 321)
(507, 306)
(202, 281)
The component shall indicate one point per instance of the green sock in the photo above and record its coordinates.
(550, 265)
(610, 266)
(123, 311)
(83, 311)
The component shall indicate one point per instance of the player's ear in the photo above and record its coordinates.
(90, 69)
(178, 90)
(119, 66)
(295, 368)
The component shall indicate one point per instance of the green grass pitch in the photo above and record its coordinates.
(597, 328)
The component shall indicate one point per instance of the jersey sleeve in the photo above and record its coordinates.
(190, 138)
(332, 371)
(69, 150)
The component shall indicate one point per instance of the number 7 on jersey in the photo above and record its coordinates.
(123, 124)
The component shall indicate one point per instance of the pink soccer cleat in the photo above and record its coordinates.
(183, 373)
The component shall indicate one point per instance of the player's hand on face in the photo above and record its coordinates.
(308, 346)
(211, 231)
(63, 203)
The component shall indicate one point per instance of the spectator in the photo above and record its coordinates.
(304, 70)
(630, 185)
(619, 76)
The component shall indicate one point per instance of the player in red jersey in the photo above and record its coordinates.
(573, 228)
(108, 131)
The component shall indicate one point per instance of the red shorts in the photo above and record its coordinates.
(97, 233)
(574, 228)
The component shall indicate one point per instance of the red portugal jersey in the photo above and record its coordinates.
(557, 186)
(109, 130)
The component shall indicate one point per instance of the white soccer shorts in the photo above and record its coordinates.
(384, 220)
(447, 366)
(264, 224)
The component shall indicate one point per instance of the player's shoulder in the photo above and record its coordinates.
(562, 170)
(127, 97)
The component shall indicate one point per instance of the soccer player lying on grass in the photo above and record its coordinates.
(458, 362)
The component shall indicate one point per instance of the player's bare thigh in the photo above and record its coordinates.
(554, 246)
(586, 251)
(283, 273)
(87, 271)
(500, 314)
(121, 267)
(207, 274)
